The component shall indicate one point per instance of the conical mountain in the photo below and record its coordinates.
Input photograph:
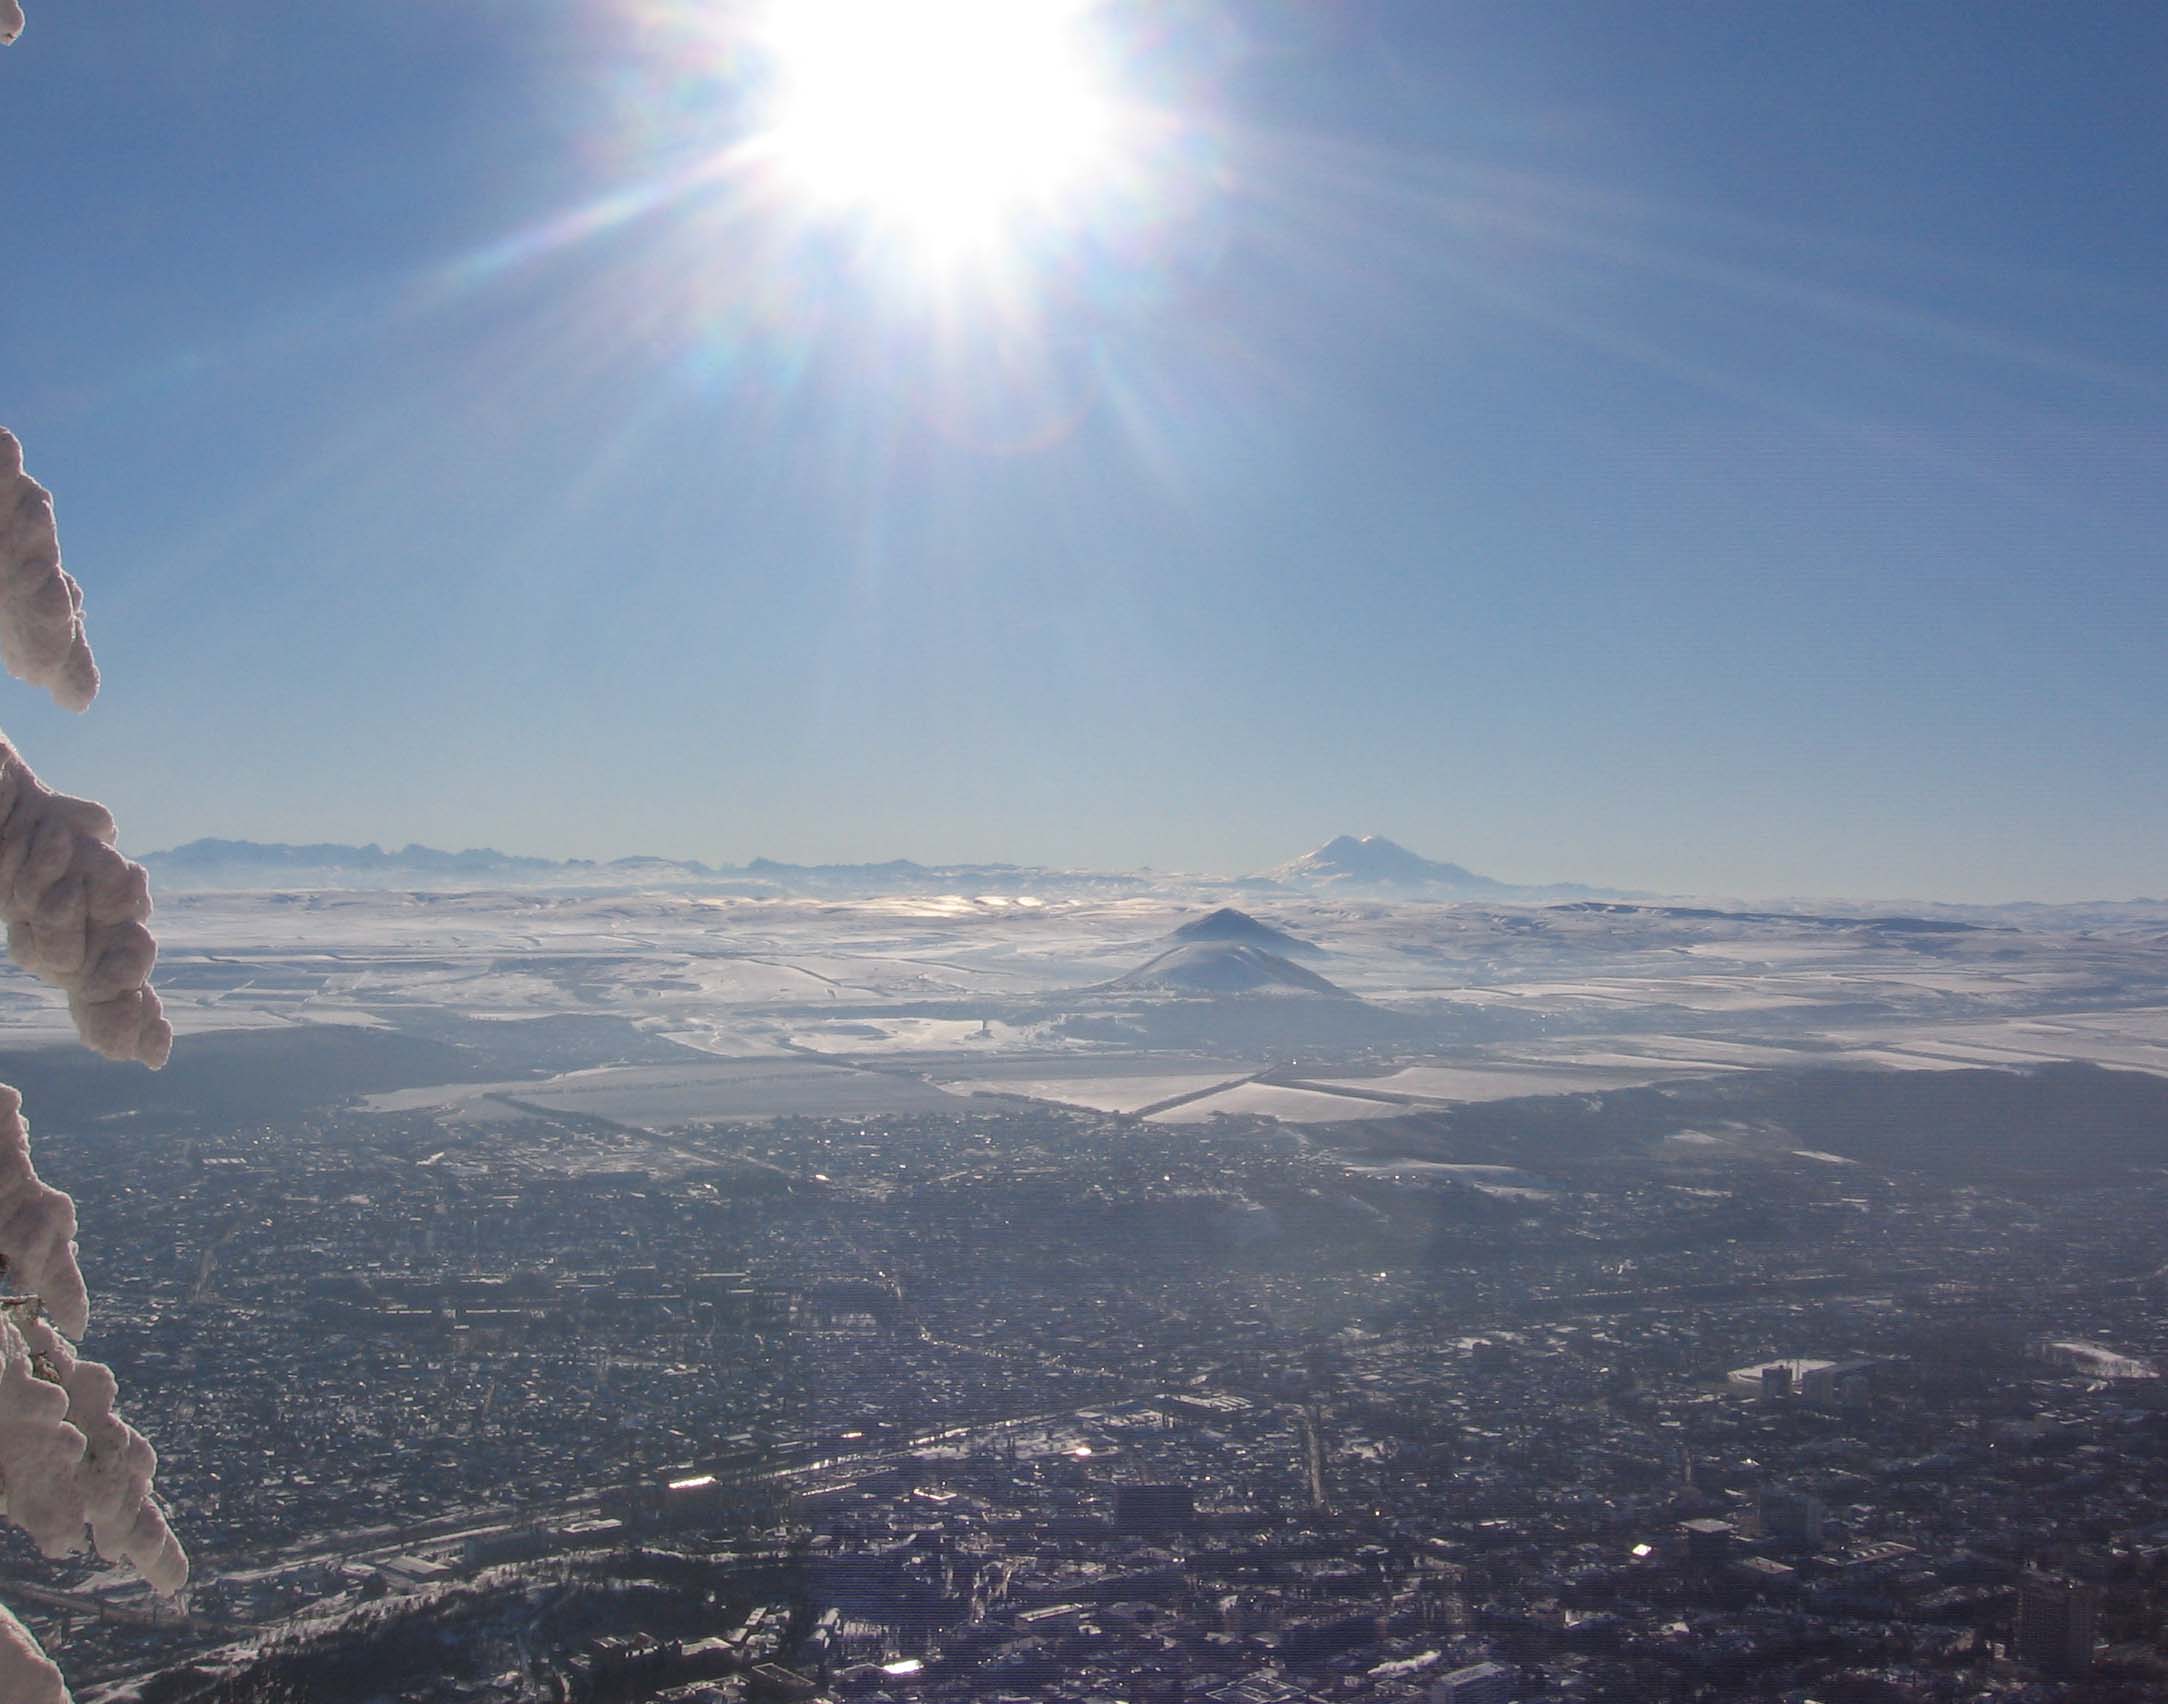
(1228, 924)
(1222, 967)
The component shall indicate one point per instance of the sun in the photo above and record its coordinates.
(951, 124)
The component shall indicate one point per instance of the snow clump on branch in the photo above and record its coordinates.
(37, 1227)
(27, 1675)
(75, 912)
(41, 607)
(70, 1462)
(67, 1461)
(74, 907)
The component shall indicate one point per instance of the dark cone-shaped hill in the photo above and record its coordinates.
(1222, 967)
(1239, 927)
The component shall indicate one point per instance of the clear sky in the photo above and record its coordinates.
(1702, 448)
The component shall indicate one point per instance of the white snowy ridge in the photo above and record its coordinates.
(77, 915)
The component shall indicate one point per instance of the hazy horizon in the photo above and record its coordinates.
(391, 848)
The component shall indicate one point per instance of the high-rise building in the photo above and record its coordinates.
(1708, 1542)
(1793, 1516)
(1839, 1384)
(1153, 1508)
(2055, 1619)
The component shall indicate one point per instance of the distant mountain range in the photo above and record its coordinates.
(261, 864)
(328, 856)
(1350, 864)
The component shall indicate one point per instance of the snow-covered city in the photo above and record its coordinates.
(653, 1290)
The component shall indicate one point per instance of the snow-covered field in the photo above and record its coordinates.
(1130, 1093)
(1506, 1079)
(841, 1005)
(1268, 1100)
(643, 1095)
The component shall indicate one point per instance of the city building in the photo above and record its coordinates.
(1153, 1508)
(1795, 1517)
(2055, 1619)
(1478, 1683)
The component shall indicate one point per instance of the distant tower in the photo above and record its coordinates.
(2055, 1619)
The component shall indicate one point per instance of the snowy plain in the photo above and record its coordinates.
(843, 1006)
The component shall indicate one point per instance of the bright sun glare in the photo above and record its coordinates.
(948, 122)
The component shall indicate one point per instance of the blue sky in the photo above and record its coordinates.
(1714, 449)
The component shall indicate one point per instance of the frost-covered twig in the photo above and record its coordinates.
(74, 907)
(37, 1228)
(84, 1466)
(76, 914)
(67, 1462)
(27, 1676)
(75, 911)
(41, 607)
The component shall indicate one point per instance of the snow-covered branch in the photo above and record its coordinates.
(74, 907)
(27, 1676)
(41, 607)
(67, 1462)
(75, 911)
(37, 1227)
(77, 915)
